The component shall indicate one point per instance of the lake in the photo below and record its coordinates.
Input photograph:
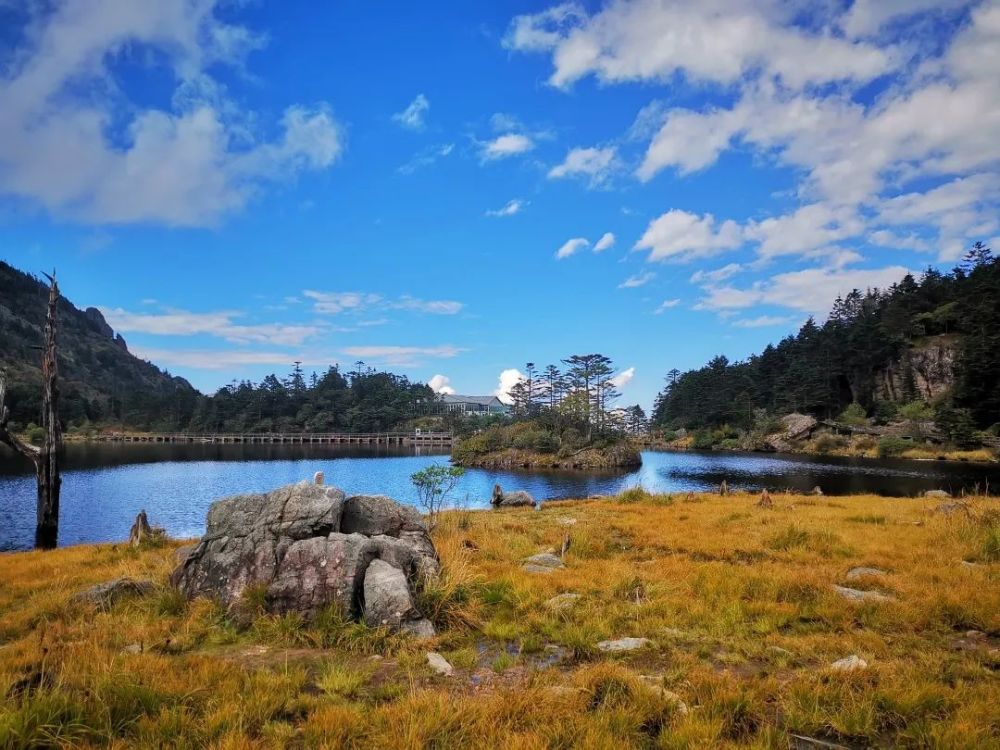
(106, 485)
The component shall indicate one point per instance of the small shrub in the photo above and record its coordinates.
(633, 495)
(827, 443)
(787, 538)
(702, 440)
(854, 414)
(890, 446)
(342, 680)
(916, 411)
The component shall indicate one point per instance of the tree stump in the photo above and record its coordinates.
(765, 500)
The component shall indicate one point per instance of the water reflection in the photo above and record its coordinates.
(105, 485)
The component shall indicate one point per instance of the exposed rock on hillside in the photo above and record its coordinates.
(305, 547)
(928, 368)
(796, 427)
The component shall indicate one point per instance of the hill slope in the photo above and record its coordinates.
(100, 380)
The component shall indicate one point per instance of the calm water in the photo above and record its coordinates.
(104, 486)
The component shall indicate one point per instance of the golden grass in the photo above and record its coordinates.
(736, 601)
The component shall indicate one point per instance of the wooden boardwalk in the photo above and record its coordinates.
(426, 439)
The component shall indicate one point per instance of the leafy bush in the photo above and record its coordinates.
(916, 411)
(884, 412)
(854, 414)
(702, 439)
(890, 446)
(36, 435)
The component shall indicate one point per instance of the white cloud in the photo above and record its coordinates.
(570, 247)
(719, 274)
(637, 280)
(401, 355)
(885, 238)
(187, 165)
(219, 324)
(503, 146)
(607, 241)
(413, 116)
(689, 141)
(512, 207)
(594, 164)
(426, 157)
(215, 359)
(717, 40)
(867, 17)
(763, 321)
(666, 305)
(679, 235)
(506, 381)
(441, 384)
(811, 290)
(806, 229)
(333, 303)
(623, 378)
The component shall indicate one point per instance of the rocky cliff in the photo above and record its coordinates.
(926, 370)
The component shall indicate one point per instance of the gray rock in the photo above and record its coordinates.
(804, 742)
(622, 644)
(855, 573)
(388, 601)
(937, 493)
(543, 562)
(858, 595)
(852, 663)
(181, 553)
(655, 683)
(562, 602)
(794, 427)
(373, 515)
(516, 499)
(133, 649)
(108, 593)
(306, 547)
(439, 664)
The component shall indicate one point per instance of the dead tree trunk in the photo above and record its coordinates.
(46, 458)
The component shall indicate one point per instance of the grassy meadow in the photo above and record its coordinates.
(736, 602)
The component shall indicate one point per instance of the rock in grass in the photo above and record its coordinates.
(562, 602)
(107, 593)
(439, 664)
(855, 573)
(804, 742)
(622, 644)
(852, 663)
(543, 562)
(937, 493)
(516, 499)
(655, 683)
(388, 601)
(857, 595)
(305, 547)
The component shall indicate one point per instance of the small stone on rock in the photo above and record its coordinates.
(562, 602)
(543, 562)
(106, 594)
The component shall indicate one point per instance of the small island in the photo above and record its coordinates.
(559, 419)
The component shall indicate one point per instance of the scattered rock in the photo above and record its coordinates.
(181, 553)
(516, 499)
(543, 562)
(855, 573)
(852, 663)
(107, 593)
(562, 602)
(132, 648)
(781, 651)
(388, 601)
(319, 477)
(439, 664)
(948, 509)
(817, 490)
(307, 546)
(567, 522)
(655, 682)
(968, 564)
(858, 595)
(622, 644)
(937, 493)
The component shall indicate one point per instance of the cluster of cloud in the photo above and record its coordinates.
(333, 303)
(892, 133)
(574, 245)
(441, 384)
(510, 377)
(72, 142)
(218, 324)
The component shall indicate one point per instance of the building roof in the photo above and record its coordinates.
(454, 398)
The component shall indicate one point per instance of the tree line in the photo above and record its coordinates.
(825, 368)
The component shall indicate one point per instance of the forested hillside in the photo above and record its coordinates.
(101, 382)
(931, 343)
(104, 386)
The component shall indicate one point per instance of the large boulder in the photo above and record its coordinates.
(794, 427)
(516, 499)
(304, 547)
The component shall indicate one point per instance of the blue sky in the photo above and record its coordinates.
(454, 189)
